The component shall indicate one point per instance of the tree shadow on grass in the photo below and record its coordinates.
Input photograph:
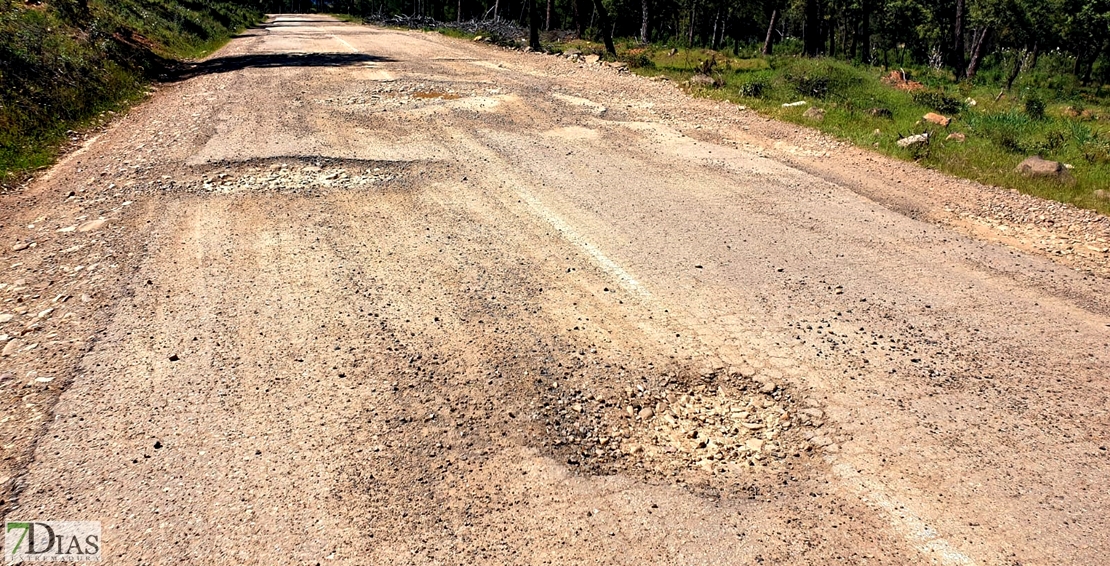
(185, 71)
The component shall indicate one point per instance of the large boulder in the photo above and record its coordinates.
(1035, 166)
(937, 119)
(703, 80)
(913, 140)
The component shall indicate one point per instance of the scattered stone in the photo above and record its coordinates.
(768, 387)
(572, 52)
(11, 347)
(913, 140)
(813, 412)
(93, 225)
(6, 317)
(971, 102)
(20, 246)
(814, 113)
(703, 80)
(793, 104)
(754, 444)
(1035, 166)
(937, 119)
(477, 38)
(646, 413)
(592, 59)
(956, 137)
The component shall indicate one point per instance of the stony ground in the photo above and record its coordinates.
(352, 295)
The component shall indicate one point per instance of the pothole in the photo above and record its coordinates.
(287, 176)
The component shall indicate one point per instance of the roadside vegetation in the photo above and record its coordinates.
(991, 130)
(1016, 78)
(66, 64)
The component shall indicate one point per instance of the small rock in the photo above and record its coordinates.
(793, 104)
(877, 132)
(20, 246)
(937, 119)
(814, 113)
(477, 38)
(6, 317)
(768, 387)
(913, 140)
(971, 102)
(754, 444)
(11, 347)
(92, 225)
(956, 137)
(1102, 194)
(646, 413)
(881, 113)
(572, 52)
(820, 441)
(1035, 166)
(813, 412)
(703, 80)
(592, 59)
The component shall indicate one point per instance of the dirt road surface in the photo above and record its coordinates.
(347, 295)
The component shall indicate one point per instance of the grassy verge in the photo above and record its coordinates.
(62, 71)
(866, 106)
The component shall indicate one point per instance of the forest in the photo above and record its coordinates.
(1011, 36)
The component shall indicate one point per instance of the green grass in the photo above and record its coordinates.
(61, 71)
(861, 108)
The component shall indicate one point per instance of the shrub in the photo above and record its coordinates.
(639, 60)
(1034, 108)
(938, 101)
(753, 89)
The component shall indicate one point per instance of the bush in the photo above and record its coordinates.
(753, 89)
(638, 59)
(820, 78)
(938, 101)
(1034, 108)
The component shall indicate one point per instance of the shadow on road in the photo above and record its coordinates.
(265, 61)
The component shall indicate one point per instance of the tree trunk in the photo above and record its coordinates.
(865, 31)
(767, 43)
(496, 5)
(534, 25)
(547, 22)
(716, 26)
(644, 37)
(458, 15)
(693, 14)
(1019, 60)
(977, 54)
(606, 30)
(957, 57)
(812, 38)
(579, 25)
